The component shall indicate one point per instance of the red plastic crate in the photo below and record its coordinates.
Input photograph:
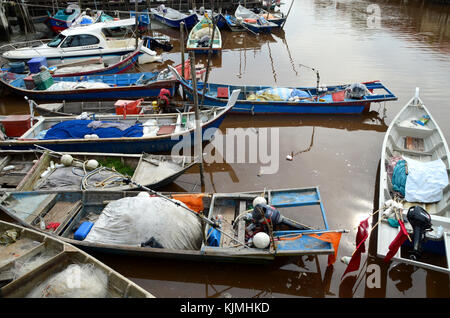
(131, 106)
(16, 125)
(222, 92)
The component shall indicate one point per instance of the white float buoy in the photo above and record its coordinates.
(66, 160)
(261, 240)
(346, 259)
(259, 200)
(92, 164)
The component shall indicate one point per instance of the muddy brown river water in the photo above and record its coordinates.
(406, 46)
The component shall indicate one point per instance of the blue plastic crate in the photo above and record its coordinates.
(35, 64)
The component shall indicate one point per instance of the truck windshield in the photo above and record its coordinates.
(56, 41)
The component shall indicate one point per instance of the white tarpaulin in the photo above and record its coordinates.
(425, 181)
(135, 220)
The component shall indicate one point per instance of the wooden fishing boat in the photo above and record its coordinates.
(422, 144)
(37, 265)
(290, 238)
(199, 39)
(33, 170)
(172, 17)
(112, 86)
(114, 133)
(292, 100)
(64, 18)
(74, 108)
(15, 165)
(252, 21)
(143, 18)
(232, 23)
(88, 17)
(276, 17)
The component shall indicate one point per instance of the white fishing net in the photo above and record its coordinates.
(76, 281)
(135, 220)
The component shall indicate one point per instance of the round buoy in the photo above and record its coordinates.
(66, 160)
(259, 200)
(261, 240)
(92, 164)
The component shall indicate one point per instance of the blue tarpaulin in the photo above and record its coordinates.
(76, 129)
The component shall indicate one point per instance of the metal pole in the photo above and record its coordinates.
(290, 7)
(198, 129)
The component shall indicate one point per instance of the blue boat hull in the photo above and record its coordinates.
(189, 21)
(122, 86)
(259, 28)
(284, 108)
(244, 106)
(116, 145)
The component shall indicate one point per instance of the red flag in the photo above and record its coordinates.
(397, 242)
(361, 236)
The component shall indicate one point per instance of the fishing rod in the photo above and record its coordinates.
(212, 223)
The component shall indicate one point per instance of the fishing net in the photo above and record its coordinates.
(76, 281)
(134, 221)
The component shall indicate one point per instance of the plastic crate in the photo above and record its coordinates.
(35, 64)
(130, 106)
(43, 80)
(16, 125)
(17, 67)
(29, 82)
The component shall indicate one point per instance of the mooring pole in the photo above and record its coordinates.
(137, 22)
(198, 126)
(290, 7)
(208, 61)
(182, 56)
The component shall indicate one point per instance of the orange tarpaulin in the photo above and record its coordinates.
(331, 237)
(193, 201)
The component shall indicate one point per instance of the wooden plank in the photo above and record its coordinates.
(60, 212)
(416, 144)
(43, 207)
(241, 222)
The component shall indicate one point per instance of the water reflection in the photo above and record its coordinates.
(301, 277)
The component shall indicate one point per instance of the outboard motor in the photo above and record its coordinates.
(420, 221)
(273, 216)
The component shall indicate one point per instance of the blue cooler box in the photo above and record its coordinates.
(83, 231)
(35, 63)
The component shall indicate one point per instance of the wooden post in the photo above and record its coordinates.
(208, 61)
(137, 22)
(4, 23)
(182, 55)
(198, 129)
